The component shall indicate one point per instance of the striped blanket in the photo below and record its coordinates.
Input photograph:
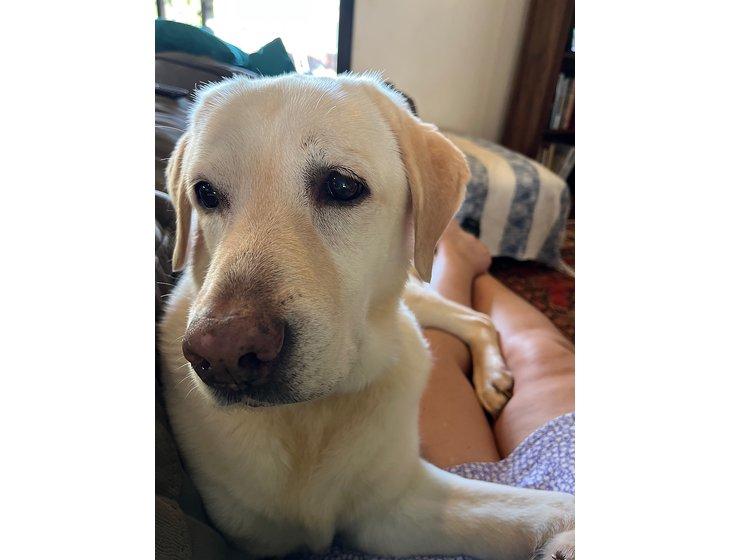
(521, 207)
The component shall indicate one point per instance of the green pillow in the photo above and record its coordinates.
(270, 60)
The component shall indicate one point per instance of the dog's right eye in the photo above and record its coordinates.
(208, 197)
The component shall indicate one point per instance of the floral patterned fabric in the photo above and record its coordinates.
(545, 460)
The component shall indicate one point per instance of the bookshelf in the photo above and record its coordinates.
(540, 121)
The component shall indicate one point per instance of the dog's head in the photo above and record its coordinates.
(300, 204)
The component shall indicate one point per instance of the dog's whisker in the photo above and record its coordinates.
(186, 378)
(170, 127)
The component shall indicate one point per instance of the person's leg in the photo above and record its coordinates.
(453, 426)
(541, 359)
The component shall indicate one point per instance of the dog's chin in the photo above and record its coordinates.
(268, 399)
(228, 398)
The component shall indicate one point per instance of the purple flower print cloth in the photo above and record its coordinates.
(545, 460)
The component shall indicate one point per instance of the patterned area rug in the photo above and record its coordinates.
(552, 292)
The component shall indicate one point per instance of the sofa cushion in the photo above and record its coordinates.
(518, 207)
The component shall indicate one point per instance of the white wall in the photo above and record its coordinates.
(456, 58)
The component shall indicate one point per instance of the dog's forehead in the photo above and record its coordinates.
(293, 109)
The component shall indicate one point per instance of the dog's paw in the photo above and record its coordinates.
(493, 388)
(560, 547)
(492, 380)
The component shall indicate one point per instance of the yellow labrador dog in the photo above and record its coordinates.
(293, 354)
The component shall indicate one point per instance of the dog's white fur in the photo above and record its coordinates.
(345, 458)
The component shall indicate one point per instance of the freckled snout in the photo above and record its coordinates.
(234, 353)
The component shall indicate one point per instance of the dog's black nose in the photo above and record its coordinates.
(234, 352)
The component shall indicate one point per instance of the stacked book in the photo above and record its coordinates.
(563, 113)
(557, 157)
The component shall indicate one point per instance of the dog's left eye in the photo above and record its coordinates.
(343, 188)
(207, 196)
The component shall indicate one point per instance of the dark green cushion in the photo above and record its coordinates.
(270, 60)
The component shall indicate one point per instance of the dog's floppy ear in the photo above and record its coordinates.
(183, 210)
(437, 175)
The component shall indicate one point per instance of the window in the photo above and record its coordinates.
(309, 30)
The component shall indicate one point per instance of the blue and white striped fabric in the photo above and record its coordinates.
(521, 206)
